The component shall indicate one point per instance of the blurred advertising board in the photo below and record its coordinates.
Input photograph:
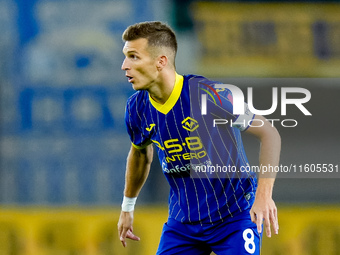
(268, 39)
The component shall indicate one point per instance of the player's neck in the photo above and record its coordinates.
(162, 89)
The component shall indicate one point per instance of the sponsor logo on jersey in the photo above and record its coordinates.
(190, 124)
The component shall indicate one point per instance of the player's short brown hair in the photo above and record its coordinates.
(157, 33)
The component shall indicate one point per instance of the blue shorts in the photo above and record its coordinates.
(236, 235)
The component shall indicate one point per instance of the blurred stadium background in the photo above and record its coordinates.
(62, 97)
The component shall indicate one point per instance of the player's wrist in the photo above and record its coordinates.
(128, 204)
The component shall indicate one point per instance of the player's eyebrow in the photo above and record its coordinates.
(130, 51)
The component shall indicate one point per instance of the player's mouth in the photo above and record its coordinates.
(130, 78)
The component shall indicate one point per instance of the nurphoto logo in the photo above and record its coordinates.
(240, 108)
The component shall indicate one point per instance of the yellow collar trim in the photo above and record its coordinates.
(170, 103)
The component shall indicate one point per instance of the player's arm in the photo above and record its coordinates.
(264, 207)
(137, 171)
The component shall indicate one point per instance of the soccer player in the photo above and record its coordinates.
(209, 211)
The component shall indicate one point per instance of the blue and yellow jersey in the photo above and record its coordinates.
(186, 141)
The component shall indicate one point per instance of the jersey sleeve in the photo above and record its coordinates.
(133, 124)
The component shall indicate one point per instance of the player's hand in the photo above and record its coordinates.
(125, 229)
(264, 209)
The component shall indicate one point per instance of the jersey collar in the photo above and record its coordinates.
(170, 103)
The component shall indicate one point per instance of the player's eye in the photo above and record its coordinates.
(134, 57)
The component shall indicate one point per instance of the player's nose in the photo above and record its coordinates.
(125, 65)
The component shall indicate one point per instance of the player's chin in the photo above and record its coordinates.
(137, 86)
(134, 85)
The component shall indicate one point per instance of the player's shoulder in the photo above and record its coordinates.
(194, 79)
(201, 84)
(137, 99)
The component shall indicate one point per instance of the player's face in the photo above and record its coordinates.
(139, 66)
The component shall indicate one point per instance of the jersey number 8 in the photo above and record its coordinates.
(248, 237)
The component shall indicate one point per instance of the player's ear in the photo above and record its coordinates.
(162, 62)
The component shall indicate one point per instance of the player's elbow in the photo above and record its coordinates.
(270, 133)
(275, 136)
(266, 133)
